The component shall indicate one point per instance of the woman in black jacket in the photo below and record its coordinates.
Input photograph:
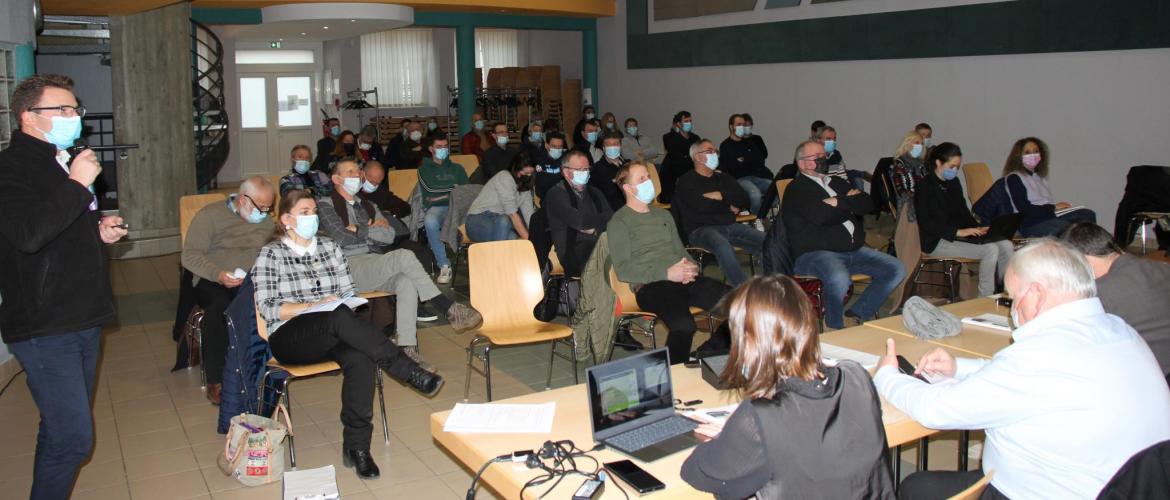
(944, 219)
(805, 429)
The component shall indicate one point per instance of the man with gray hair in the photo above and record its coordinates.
(1076, 394)
(219, 249)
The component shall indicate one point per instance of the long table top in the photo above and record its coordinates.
(973, 341)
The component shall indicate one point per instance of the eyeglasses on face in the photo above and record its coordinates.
(62, 110)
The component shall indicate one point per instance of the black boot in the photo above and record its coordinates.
(625, 340)
(362, 462)
(426, 382)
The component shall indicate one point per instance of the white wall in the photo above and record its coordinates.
(1100, 112)
(545, 47)
(92, 81)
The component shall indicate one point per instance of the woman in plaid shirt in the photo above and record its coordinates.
(297, 271)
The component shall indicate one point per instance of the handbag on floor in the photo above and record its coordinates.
(255, 448)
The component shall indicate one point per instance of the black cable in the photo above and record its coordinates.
(10, 381)
(474, 480)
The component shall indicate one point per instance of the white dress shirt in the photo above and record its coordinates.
(1075, 396)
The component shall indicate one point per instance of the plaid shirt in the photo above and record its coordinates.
(281, 276)
(315, 180)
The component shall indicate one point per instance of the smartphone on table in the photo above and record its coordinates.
(635, 476)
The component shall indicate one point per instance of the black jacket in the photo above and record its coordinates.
(942, 210)
(742, 158)
(601, 176)
(54, 278)
(677, 161)
(815, 225)
(698, 211)
(496, 160)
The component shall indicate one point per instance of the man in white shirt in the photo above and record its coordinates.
(1076, 394)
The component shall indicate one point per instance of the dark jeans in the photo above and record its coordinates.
(61, 373)
(214, 298)
(358, 347)
(932, 485)
(671, 302)
(1054, 226)
(834, 270)
(722, 240)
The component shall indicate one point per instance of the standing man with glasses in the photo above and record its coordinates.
(223, 238)
(54, 280)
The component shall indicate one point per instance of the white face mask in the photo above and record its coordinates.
(352, 185)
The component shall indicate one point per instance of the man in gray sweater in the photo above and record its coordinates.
(219, 249)
(1131, 287)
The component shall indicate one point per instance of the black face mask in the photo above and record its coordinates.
(349, 148)
(524, 182)
(822, 165)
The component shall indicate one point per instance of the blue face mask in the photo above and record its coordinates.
(301, 166)
(502, 140)
(916, 151)
(712, 161)
(306, 226)
(256, 216)
(335, 131)
(687, 126)
(591, 137)
(535, 137)
(368, 187)
(556, 153)
(645, 193)
(740, 131)
(632, 130)
(613, 152)
(581, 177)
(442, 153)
(950, 174)
(479, 124)
(747, 130)
(830, 146)
(65, 131)
(432, 126)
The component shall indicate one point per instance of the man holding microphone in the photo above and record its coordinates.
(54, 280)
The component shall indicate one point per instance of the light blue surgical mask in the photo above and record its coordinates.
(740, 131)
(632, 130)
(926, 142)
(432, 126)
(256, 216)
(581, 177)
(479, 124)
(591, 137)
(950, 174)
(351, 185)
(916, 151)
(442, 153)
(747, 130)
(502, 140)
(687, 126)
(64, 132)
(535, 137)
(645, 193)
(712, 161)
(830, 146)
(306, 226)
(368, 187)
(335, 131)
(301, 166)
(613, 152)
(556, 153)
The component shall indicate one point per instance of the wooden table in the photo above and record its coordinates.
(974, 340)
(572, 422)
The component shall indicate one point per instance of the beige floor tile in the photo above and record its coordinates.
(114, 492)
(458, 481)
(438, 460)
(272, 490)
(207, 453)
(186, 484)
(141, 423)
(399, 468)
(20, 486)
(160, 464)
(100, 475)
(15, 466)
(153, 442)
(415, 438)
(431, 488)
(143, 405)
(413, 416)
(216, 481)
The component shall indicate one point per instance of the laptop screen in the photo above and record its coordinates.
(625, 392)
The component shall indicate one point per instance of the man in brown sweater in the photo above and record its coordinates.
(220, 248)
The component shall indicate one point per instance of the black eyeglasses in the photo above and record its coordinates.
(263, 210)
(65, 110)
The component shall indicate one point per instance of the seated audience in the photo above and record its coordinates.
(298, 271)
(635, 146)
(577, 213)
(797, 410)
(222, 238)
(504, 207)
(587, 140)
(815, 129)
(1074, 396)
(376, 190)
(498, 156)
(708, 201)
(677, 161)
(326, 144)
(744, 161)
(525, 131)
(534, 143)
(548, 167)
(604, 170)
(944, 219)
(1026, 175)
(588, 114)
(822, 216)
(364, 235)
(410, 151)
(475, 139)
(925, 132)
(302, 176)
(909, 169)
(346, 147)
(369, 145)
(609, 124)
(394, 148)
(828, 138)
(749, 133)
(437, 177)
(433, 129)
(1130, 287)
(648, 254)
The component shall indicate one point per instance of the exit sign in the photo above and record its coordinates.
(275, 45)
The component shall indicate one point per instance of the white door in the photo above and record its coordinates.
(276, 113)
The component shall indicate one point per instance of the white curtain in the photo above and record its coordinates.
(495, 49)
(401, 64)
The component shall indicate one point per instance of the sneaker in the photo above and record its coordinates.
(444, 275)
(759, 225)
(425, 381)
(463, 317)
(425, 316)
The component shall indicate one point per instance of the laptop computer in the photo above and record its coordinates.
(631, 407)
(1002, 228)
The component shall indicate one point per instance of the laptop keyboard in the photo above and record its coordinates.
(648, 435)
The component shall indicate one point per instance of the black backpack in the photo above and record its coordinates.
(996, 202)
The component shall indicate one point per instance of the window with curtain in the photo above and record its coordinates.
(401, 64)
(495, 49)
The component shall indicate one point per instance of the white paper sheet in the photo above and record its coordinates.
(311, 484)
(501, 418)
(990, 320)
(831, 354)
(352, 302)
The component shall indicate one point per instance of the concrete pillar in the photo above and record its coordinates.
(465, 73)
(151, 70)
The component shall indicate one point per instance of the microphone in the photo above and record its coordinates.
(80, 145)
